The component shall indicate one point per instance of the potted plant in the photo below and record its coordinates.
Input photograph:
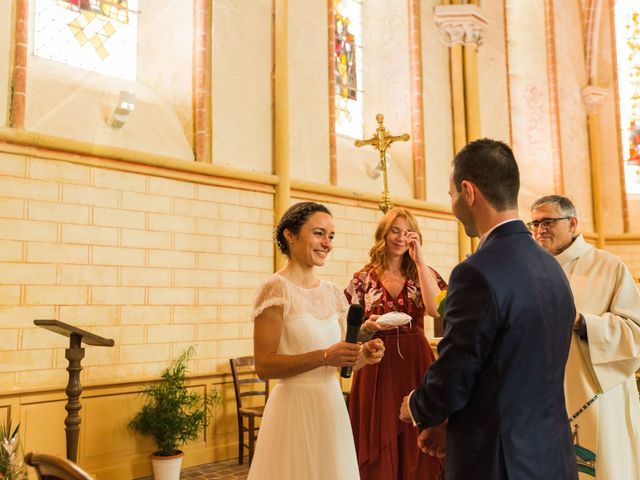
(11, 465)
(173, 415)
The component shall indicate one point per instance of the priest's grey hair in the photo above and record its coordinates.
(565, 206)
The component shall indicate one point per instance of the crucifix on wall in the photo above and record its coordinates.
(381, 141)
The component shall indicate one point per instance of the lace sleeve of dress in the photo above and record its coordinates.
(442, 285)
(342, 305)
(272, 293)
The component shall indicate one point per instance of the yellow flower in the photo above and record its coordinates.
(440, 299)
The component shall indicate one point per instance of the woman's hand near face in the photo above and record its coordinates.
(413, 241)
(426, 277)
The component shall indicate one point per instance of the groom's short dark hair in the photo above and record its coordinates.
(491, 166)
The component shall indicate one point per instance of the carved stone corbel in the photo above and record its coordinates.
(461, 24)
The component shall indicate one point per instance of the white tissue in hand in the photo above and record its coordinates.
(394, 319)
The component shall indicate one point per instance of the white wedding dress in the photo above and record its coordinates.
(305, 432)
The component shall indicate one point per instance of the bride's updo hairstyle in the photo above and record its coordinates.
(293, 220)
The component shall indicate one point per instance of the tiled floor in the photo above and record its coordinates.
(216, 471)
(229, 469)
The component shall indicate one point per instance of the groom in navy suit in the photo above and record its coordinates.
(496, 389)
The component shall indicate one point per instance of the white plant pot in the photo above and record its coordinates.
(167, 468)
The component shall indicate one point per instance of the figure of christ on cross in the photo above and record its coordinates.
(382, 140)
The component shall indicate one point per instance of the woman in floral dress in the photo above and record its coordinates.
(396, 278)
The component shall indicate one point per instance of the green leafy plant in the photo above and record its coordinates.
(11, 465)
(172, 414)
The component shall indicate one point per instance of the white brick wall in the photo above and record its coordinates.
(10, 251)
(57, 253)
(28, 230)
(117, 256)
(117, 295)
(57, 212)
(12, 208)
(89, 235)
(154, 263)
(146, 277)
(84, 315)
(10, 295)
(145, 315)
(629, 254)
(58, 295)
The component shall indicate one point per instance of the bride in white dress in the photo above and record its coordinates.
(305, 432)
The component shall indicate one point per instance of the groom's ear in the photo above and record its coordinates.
(467, 191)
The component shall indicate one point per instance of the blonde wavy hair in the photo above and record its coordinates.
(378, 253)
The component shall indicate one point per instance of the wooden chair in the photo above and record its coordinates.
(49, 467)
(246, 385)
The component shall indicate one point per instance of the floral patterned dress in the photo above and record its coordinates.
(387, 447)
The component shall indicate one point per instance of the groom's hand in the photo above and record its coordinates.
(405, 414)
(432, 440)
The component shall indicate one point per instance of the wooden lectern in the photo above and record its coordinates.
(75, 354)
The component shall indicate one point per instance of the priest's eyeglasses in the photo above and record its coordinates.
(544, 222)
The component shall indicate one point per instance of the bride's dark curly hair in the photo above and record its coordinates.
(293, 220)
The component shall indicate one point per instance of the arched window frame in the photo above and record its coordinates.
(349, 102)
(96, 35)
(627, 28)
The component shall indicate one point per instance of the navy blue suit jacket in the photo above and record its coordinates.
(499, 375)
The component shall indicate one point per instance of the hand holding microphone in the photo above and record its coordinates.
(354, 320)
(346, 354)
(372, 351)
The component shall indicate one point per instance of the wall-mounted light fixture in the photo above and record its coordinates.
(120, 114)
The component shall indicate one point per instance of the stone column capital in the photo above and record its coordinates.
(461, 24)
(593, 97)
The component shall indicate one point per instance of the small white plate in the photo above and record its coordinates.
(394, 319)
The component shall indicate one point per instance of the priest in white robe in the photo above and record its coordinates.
(600, 384)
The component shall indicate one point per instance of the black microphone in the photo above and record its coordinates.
(355, 316)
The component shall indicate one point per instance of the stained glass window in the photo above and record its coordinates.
(98, 35)
(348, 68)
(627, 15)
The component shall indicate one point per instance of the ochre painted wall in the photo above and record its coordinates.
(148, 248)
